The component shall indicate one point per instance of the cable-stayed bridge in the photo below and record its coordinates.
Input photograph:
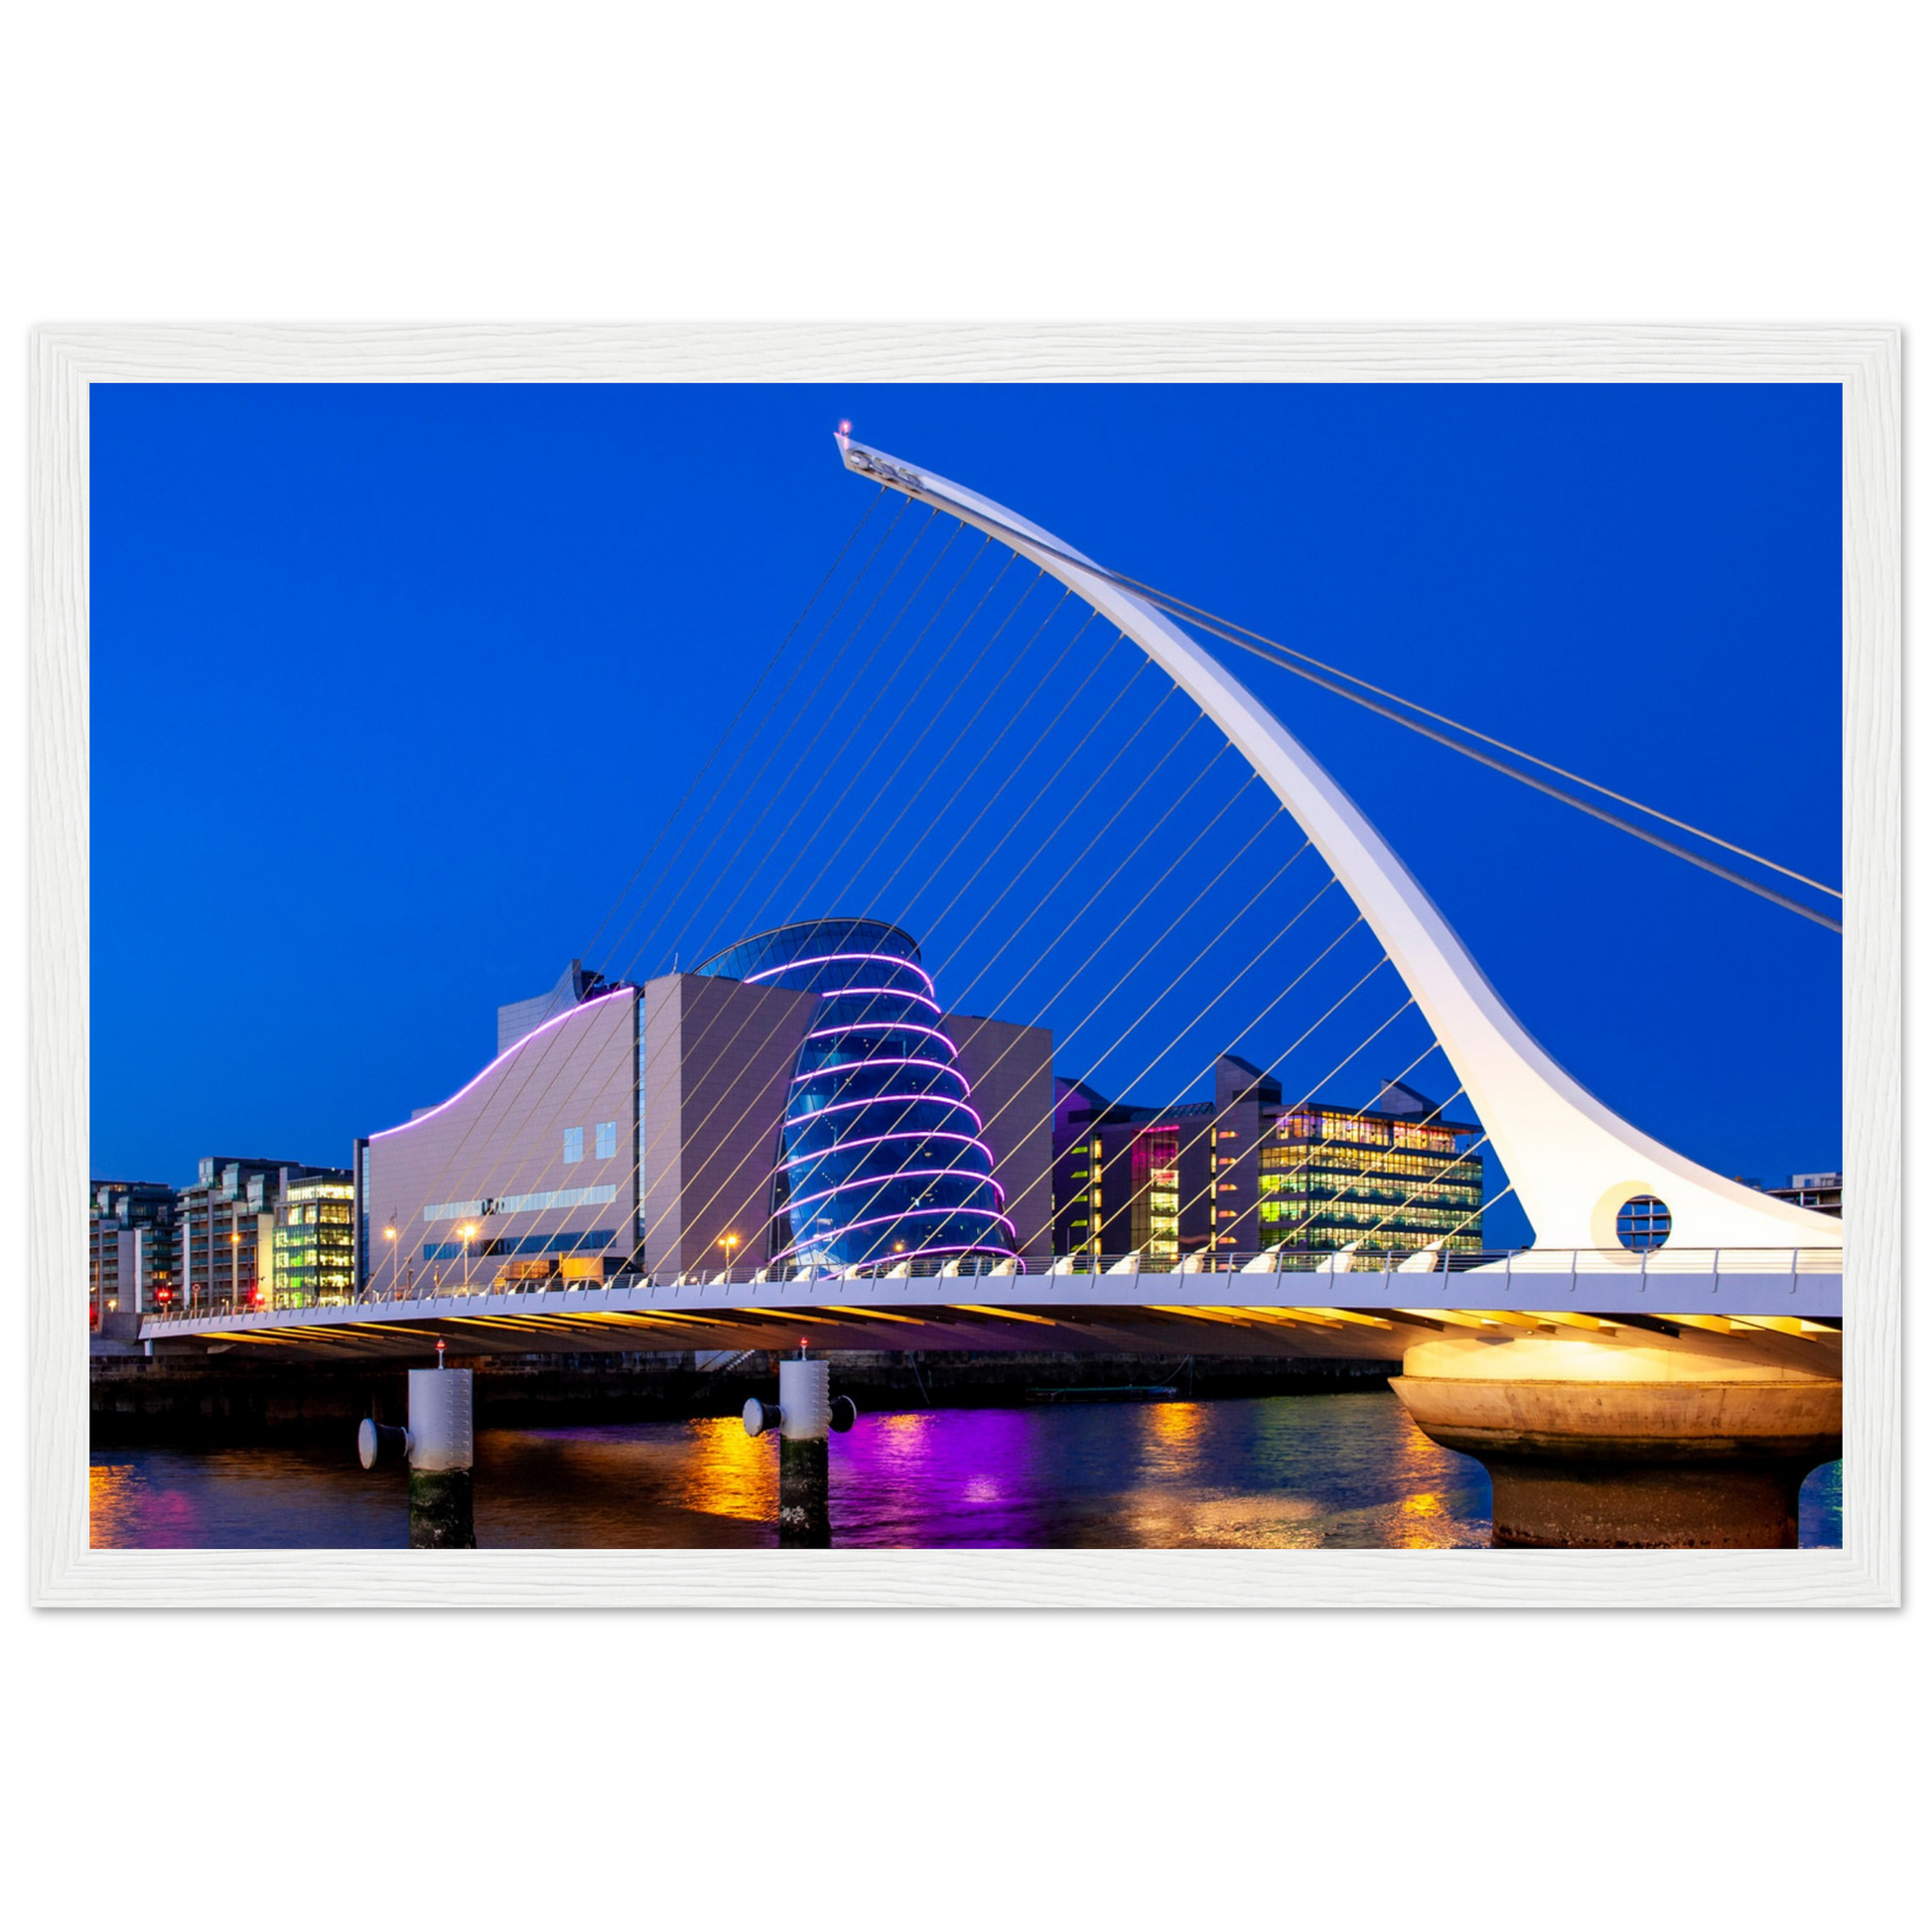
(1720, 1346)
(1252, 1305)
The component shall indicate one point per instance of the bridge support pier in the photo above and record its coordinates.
(1629, 1444)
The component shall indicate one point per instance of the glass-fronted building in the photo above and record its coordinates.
(313, 1258)
(1243, 1172)
(881, 1159)
(1393, 1181)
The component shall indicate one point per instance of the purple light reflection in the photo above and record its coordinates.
(974, 1467)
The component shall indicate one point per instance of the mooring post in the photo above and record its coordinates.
(442, 1454)
(439, 1447)
(806, 1413)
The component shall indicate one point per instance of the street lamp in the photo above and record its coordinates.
(234, 1269)
(727, 1243)
(468, 1233)
(389, 1235)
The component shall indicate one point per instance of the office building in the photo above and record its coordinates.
(1244, 1172)
(311, 1258)
(130, 1248)
(225, 1226)
(1823, 1191)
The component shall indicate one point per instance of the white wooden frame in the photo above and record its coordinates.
(66, 361)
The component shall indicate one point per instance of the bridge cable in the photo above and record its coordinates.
(1270, 650)
(1046, 1119)
(1434, 1113)
(1563, 798)
(986, 1072)
(545, 1055)
(1174, 804)
(993, 744)
(1280, 1060)
(823, 723)
(1044, 1122)
(725, 737)
(773, 1031)
(747, 741)
(1233, 632)
(1119, 753)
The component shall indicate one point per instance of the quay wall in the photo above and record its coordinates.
(135, 1400)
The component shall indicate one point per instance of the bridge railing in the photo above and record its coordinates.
(984, 1278)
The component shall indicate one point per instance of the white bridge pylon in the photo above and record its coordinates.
(1574, 1161)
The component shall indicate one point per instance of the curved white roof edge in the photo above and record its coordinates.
(1574, 1161)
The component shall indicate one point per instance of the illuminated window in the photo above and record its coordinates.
(607, 1139)
(573, 1144)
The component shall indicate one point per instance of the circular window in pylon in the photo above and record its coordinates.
(1643, 1221)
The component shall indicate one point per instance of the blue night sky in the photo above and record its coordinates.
(394, 688)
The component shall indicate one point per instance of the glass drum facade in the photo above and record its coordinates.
(880, 1157)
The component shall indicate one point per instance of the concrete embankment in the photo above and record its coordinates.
(135, 1399)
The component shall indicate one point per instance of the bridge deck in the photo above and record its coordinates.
(1366, 1312)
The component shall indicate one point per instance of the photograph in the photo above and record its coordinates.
(966, 965)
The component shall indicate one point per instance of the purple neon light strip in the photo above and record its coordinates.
(873, 1140)
(880, 993)
(885, 1220)
(881, 1026)
(913, 1214)
(888, 1100)
(925, 1254)
(858, 1066)
(900, 1174)
(839, 959)
(508, 1053)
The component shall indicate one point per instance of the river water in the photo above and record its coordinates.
(1335, 1471)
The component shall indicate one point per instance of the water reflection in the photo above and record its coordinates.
(1336, 1472)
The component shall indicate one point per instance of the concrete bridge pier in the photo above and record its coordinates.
(1631, 1440)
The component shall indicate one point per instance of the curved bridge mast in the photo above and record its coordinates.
(1574, 1161)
